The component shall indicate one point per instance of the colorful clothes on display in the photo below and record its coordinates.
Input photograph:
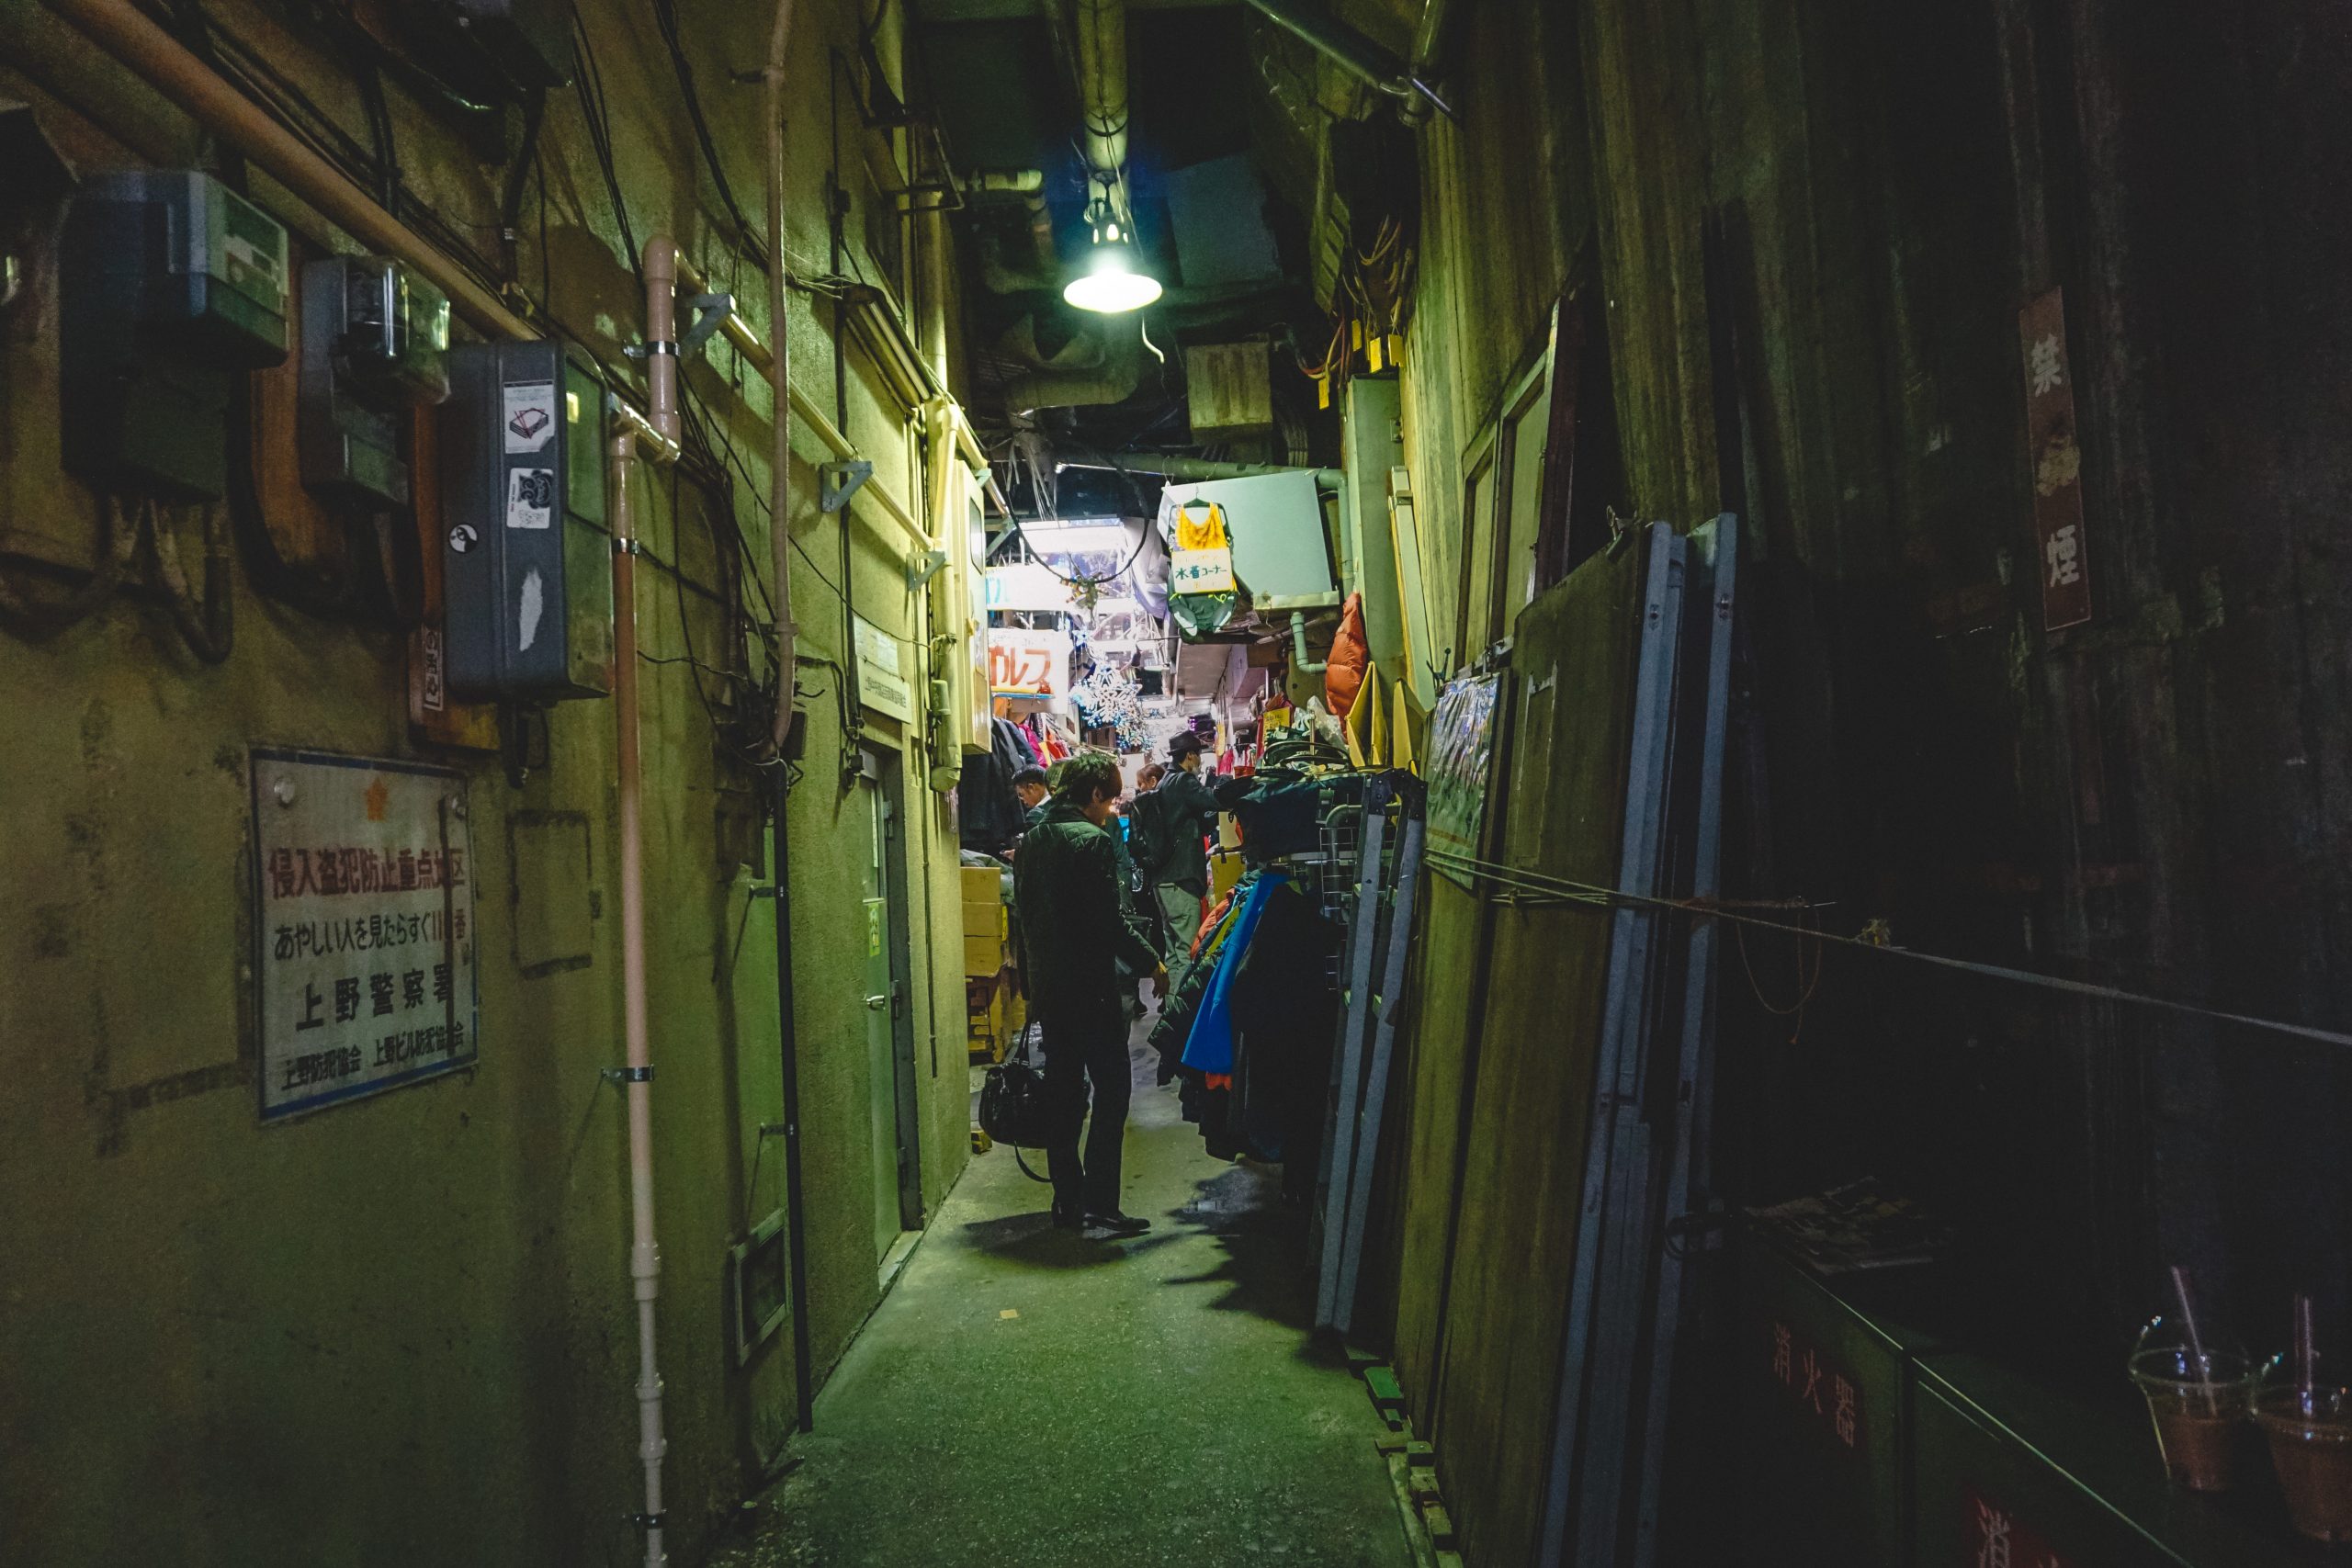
(1209, 1047)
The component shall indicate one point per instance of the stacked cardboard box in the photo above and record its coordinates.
(987, 923)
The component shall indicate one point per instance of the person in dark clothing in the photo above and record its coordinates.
(1182, 813)
(989, 809)
(1075, 934)
(1030, 784)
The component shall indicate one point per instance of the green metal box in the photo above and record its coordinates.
(1823, 1387)
(2006, 1470)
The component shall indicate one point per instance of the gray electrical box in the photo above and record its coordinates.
(171, 284)
(527, 563)
(375, 346)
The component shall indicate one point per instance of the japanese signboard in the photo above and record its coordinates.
(1996, 1538)
(1819, 1391)
(1462, 748)
(2057, 461)
(1036, 662)
(1201, 571)
(363, 926)
(1025, 585)
(881, 676)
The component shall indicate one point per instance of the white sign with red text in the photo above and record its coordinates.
(363, 926)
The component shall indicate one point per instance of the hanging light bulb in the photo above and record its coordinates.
(1111, 280)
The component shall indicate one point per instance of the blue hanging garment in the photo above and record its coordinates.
(1209, 1048)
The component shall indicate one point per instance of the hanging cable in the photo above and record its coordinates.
(1536, 887)
(209, 625)
(746, 236)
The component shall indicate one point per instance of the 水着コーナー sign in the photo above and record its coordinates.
(363, 926)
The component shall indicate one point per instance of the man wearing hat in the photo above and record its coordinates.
(1181, 812)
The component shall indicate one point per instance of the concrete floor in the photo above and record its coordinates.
(1026, 1399)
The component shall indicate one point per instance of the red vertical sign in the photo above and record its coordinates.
(2057, 464)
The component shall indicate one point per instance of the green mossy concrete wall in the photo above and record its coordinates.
(401, 1330)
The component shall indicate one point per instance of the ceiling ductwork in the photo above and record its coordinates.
(1100, 50)
(1008, 267)
(1101, 364)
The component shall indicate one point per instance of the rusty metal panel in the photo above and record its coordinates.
(1230, 389)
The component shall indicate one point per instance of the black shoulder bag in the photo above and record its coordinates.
(1020, 1108)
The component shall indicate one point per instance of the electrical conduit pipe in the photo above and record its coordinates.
(161, 60)
(659, 431)
(637, 1085)
(780, 395)
(1299, 661)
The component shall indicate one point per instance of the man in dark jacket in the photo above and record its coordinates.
(1074, 934)
(1030, 784)
(1182, 813)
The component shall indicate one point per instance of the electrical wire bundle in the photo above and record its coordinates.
(1369, 307)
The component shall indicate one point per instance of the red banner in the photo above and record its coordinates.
(2057, 465)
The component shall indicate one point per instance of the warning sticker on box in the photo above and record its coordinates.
(530, 498)
(530, 415)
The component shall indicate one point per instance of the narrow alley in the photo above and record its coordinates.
(1175, 784)
(1158, 1401)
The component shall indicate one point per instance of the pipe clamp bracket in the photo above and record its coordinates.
(628, 1075)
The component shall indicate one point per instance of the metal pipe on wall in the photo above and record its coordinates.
(1341, 44)
(780, 396)
(781, 399)
(1190, 471)
(659, 264)
(1428, 37)
(160, 60)
(1351, 52)
(637, 1072)
(153, 55)
(657, 432)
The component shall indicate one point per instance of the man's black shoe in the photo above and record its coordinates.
(1068, 1219)
(1102, 1226)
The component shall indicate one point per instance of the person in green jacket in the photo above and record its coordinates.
(1074, 934)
